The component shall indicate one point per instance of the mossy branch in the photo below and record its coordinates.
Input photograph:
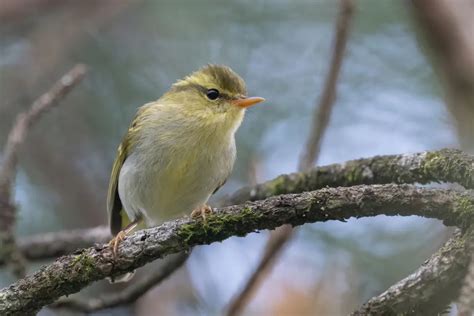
(128, 295)
(445, 165)
(71, 273)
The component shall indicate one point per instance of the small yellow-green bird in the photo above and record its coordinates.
(178, 151)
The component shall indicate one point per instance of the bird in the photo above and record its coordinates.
(177, 152)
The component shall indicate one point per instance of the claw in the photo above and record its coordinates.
(115, 242)
(202, 211)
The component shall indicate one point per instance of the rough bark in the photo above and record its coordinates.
(129, 294)
(71, 273)
(466, 293)
(445, 165)
(423, 167)
(428, 290)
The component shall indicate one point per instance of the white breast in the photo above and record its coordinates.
(176, 177)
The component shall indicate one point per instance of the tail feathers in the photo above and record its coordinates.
(119, 222)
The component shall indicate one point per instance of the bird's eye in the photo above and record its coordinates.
(212, 94)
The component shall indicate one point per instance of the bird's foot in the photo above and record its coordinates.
(202, 212)
(115, 242)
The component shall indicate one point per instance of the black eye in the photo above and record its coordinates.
(212, 94)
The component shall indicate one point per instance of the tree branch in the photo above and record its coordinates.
(322, 115)
(129, 294)
(423, 167)
(428, 290)
(447, 27)
(71, 273)
(445, 165)
(15, 139)
(466, 299)
(53, 245)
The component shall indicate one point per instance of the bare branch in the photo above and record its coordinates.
(71, 273)
(129, 294)
(24, 121)
(428, 290)
(323, 114)
(15, 139)
(448, 26)
(53, 245)
(273, 248)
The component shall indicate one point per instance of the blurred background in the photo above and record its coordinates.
(389, 101)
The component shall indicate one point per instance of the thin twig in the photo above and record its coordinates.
(273, 248)
(8, 168)
(129, 294)
(322, 114)
(69, 274)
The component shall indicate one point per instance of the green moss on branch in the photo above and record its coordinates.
(445, 165)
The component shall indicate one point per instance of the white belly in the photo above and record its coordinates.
(159, 187)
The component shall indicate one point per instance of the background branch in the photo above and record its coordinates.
(71, 273)
(447, 26)
(129, 294)
(466, 299)
(52, 245)
(428, 290)
(15, 139)
(322, 114)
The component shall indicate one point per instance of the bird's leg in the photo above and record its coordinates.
(202, 211)
(114, 243)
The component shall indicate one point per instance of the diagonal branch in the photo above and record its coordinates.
(428, 290)
(466, 299)
(447, 27)
(15, 139)
(25, 120)
(69, 274)
(324, 109)
(322, 114)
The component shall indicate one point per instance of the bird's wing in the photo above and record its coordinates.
(118, 218)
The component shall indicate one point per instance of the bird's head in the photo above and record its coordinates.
(213, 94)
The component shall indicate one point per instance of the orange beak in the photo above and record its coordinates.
(247, 102)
